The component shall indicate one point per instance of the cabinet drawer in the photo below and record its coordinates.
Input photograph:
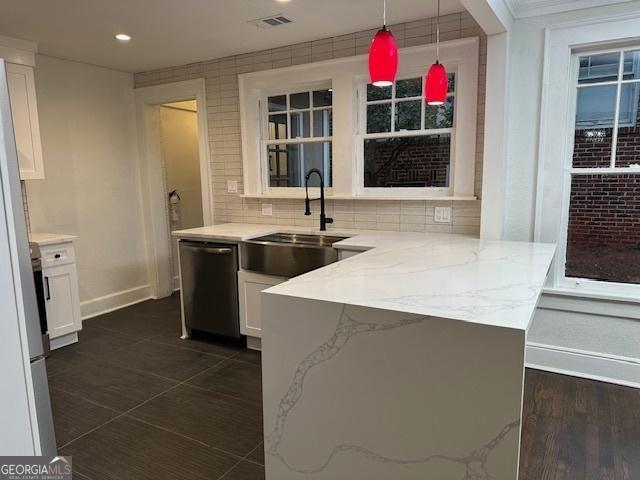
(59, 254)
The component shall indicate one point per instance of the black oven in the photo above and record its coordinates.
(36, 266)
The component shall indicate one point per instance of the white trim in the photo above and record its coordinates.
(582, 363)
(156, 222)
(254, 343)
(15, 50)
(64, 340)
(594, 303)
(535, 8)
(115, 301)
(556, 123)
(346, 75)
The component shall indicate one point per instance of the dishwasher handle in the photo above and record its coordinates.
(204, 249)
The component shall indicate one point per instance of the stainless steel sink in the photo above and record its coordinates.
(288, 254)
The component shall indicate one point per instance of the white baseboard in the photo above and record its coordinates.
(254, 343)
(63, 341)
(114, 301)
(582, 363)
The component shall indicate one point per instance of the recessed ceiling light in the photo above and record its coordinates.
(123, 37)
(283, 1)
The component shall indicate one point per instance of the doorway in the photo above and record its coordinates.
(174, 155)
(181, 166)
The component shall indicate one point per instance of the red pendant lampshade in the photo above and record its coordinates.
(383, 58)
(436, 84)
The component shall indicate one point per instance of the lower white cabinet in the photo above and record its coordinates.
(250, 286)
(342, 254)
(61, 289)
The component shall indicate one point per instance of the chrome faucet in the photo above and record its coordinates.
(307, 201)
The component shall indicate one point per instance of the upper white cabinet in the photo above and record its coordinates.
(24, 112)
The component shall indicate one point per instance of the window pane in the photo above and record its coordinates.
(322, 123)
(300, 124)
(631, 65)
(439, 116)
(277, 103)
(408, 115)
(595, 110)
(378, 93)
(407, 162)
(277, 126)
(599, 68)
(604, 228)
(628, 146)
(451, 82)
(411, 87)
(379, 118)
(278, 164)
(299, 100)
(288, 164)
(322, 98)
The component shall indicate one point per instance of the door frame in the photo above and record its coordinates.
(152, 182)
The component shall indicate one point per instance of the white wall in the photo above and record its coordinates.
(525, 79)
(590, 344)
(91, 189)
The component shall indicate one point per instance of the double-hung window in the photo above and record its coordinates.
(297, 137)
(407, 144)
(602, 211)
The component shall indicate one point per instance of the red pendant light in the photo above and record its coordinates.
(436, 83)
(383, 55)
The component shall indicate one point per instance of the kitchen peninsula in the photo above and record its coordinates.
(404, 361)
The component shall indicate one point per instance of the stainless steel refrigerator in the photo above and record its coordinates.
(26, 276)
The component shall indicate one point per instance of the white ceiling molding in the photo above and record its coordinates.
(533, 8)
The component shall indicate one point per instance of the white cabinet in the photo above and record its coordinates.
(61, 289)
(24, 113)
(250, 286)
(342, 254)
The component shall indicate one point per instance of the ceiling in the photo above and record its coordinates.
(175, 32)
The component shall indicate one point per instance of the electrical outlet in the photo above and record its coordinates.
(267, 209)
(232, 186)
(442, 215)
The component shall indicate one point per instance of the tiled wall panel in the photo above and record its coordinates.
(224, 132)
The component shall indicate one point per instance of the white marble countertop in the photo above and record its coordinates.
(450, 276)
(43, 239)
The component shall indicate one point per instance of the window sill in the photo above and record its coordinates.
(590, 295)
(362, 197)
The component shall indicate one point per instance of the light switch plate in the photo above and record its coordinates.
(442, 215)
(232, 186)
(267, 209)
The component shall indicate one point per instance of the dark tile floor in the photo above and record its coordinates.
(133, 401)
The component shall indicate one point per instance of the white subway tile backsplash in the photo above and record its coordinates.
(224, 133)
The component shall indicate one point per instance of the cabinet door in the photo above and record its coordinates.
(24, 113)
(62, 301)
(250, 286)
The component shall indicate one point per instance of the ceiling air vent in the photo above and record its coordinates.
(273, 21)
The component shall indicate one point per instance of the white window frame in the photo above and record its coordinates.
(411, 192)
(264, 136)
(346, 75)
(557, 121)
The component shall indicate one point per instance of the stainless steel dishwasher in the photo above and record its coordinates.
(210, 287)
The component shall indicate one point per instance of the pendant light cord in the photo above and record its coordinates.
(384, 12)
(437, 33)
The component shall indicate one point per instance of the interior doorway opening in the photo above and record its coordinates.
(174, 155)
(181, 167)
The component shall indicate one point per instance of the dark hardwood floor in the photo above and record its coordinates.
(131, 401)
